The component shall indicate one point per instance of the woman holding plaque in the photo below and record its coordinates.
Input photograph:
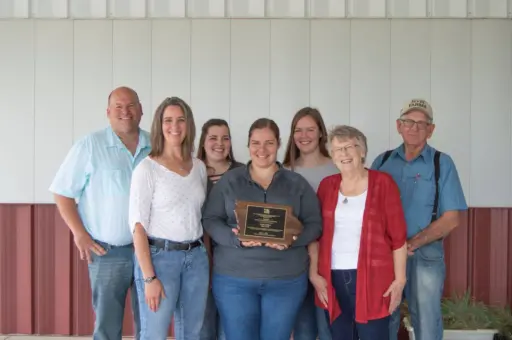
(306, 153)
(167, 193)
(362, 252)
(259, 284)
(216, 151)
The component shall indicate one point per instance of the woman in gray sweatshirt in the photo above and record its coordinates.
(259, 288)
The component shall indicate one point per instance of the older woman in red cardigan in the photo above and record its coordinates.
(359, 268)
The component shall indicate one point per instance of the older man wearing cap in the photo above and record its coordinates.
(432, 199)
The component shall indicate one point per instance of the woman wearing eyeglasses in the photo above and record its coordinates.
(362, 251)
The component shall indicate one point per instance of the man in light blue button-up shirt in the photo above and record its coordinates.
(97, 173)
(413, 168)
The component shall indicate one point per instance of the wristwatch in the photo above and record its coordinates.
(149, 279)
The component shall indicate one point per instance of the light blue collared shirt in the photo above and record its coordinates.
(97, 172)
(416, 181)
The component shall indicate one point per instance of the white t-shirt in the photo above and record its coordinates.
(167, 204)
(348, 223)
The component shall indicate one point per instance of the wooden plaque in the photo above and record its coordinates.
(267, 223)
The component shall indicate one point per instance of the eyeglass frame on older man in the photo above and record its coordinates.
(409, 123)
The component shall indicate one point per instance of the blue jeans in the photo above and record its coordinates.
(424, 289)
(312, 322)
(252, 309)
(345, 327)
(111, 276)
(212, 327)
(184, 276)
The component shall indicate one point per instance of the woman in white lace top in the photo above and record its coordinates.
(167, 193)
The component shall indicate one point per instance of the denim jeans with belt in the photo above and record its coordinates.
(184, 275)
(423, 291)
(111, 277)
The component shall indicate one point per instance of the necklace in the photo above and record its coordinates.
(345, 201)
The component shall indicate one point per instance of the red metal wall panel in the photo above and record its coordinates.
(44, 286)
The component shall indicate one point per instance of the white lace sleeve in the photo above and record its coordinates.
(141, 195)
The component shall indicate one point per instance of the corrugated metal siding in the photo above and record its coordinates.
(44, 287)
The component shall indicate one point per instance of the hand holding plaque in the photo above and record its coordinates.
(267, 223)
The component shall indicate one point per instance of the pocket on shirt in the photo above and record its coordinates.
(424, 189)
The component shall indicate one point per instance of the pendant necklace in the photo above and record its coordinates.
(345, 201)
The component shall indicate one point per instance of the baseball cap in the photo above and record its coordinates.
(417, 104)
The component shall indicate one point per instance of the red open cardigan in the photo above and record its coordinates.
(383, 230)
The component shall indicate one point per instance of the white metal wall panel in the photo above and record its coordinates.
(355, 71)
(137, 9)
(170, 66)
(407, 8)
(491, 63)
(246, 9)
(49, 8)
(410, 69)
(132, 60)
(367, 8)
(488, 8)
(92, 75)
(166, 9)
(88, 9)
(326, 9)
(286, 8)
(210, 69)
(14, 9)
(17, 111)
(250, 79)
(450, 69)
(53, 100)
(289, 72)
(449, 8)
(206, 8)
(330, 70)
(127, 9)
(370, 80)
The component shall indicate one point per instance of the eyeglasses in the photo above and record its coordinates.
(346, 148)
(409, 123)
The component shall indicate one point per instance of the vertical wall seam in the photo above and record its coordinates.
(390, 83)
(310, 61)
(34, 87)
(510, 103)
(349, 65)
(230, 64)
(270, 69)
(190, 41)
(470, 106)
(151, 22)
(112, 71)
(431, 44)
(73, 23)
(33, 286)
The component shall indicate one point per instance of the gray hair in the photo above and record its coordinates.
(344, 132)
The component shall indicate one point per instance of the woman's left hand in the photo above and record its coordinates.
(395, 290)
